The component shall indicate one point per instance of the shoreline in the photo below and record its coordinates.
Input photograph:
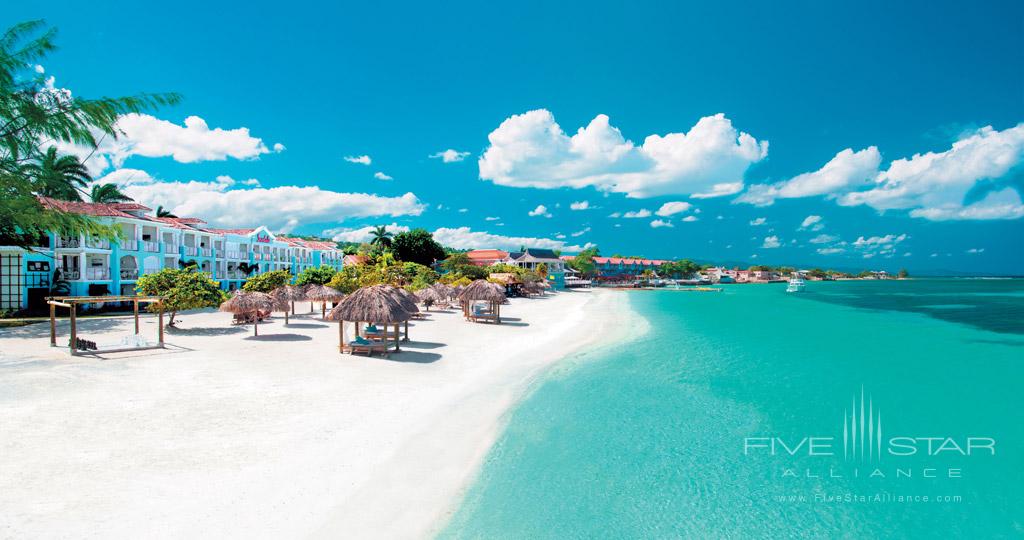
(225, 434)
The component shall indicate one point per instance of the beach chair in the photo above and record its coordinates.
(367, 346)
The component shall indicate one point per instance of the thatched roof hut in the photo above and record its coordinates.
(372, 305)
(482, 291)
(427, 297)
(443, 291)
(322, 294)
(249, 303)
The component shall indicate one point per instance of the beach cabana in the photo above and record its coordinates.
(249, 304)
(374, 305)
(323, 294)
(479, 292)
(295, 293)
(408, 302)
(444, 292)
(427, 297)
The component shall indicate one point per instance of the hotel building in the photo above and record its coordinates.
(97, 267)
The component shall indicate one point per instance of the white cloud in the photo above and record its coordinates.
(362, 234)
(560, 236)
(673, 208)
(954, 184)
(541, 211)
(771, 242)
(381, 176)
(847, 170)
(580, 233)
(758, 221)
(830, 250)
(280, 208)
(813, 223)
(362, 160)
(466, 238)
(579, 205)
(463, 210)
(492, 218)
(40, 69)
(659, 223)
(976, 250)
(642, 213)
(531, 150)
(690, 219)
(449, 156)
(278, 147)
(879, 245)
(145, 135)
(823, 239)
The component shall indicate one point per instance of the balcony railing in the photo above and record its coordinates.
(191, 251)
(257, 256)
(97, 273)
(129, 274)
(67, 242)
(152, 247)
(207, 252)
(98, 243)
(70, 275)
(234, 254)
(129, 245)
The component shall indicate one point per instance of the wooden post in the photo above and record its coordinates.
(256, 324)
(398, 346)
(160, 324)
(286, 317)
(323, 310)
(53, 325)
(135, 304)
(406, 330)
(74, 329)
(341, 336)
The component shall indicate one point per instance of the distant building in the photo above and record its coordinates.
(487, 257)
(532, 258)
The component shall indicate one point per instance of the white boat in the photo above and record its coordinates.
(795, 285)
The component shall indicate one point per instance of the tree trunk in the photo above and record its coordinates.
(170, 322)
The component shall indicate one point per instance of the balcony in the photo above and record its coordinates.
(70, 275)
(68, 243)
(191, 251)
(129, 245)
(153, 247)
(257, 256)
(98, 243)
(97, 273)
(129, 274)
(207, 252)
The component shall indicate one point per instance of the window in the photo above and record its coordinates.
(11, 281)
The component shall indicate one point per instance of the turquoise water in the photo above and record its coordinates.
(646, 440)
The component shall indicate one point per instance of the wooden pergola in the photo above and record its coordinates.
(72, 302)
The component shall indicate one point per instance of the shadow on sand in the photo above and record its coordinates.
(279, 337)
(217, 331)
(305, 325)
(422, 345)
(411, 357)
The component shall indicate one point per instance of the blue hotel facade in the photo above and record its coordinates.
(97, 267)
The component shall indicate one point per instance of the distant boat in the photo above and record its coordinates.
(795, 285)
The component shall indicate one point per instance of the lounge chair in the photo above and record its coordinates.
(364, 345)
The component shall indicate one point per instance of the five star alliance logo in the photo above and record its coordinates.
(862, 431)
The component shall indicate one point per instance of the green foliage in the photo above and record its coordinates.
(316, 276)
(268, 281)
(163, 212)
(903, 274)
(417, 246)
(182, 289)
(817, 273)
(31, 112)
(454, 261)
(107, 193)
(381, 237)
(584, 263)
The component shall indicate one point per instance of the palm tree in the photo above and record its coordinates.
(381, 237)
(57, 176)
(161, 212)
(108, 193)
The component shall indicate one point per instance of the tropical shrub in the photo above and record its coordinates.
(316, 276)
(268, 281)
(182, 288)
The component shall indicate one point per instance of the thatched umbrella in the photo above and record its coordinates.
(444, 291)
(323, 294)
(295, 293)
(427, 297)
(406, 299)
(483, 291)
(282, 301)
(249, 303)
(371, 305)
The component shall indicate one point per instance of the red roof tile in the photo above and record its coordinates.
(85, 208)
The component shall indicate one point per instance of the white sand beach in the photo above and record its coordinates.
(223, 435)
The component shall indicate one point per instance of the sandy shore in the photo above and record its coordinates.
(226, 435)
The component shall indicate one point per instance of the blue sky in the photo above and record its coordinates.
(398, 83)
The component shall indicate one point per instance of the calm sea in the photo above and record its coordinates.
(673, 435)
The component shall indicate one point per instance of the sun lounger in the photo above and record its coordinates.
(367, 346)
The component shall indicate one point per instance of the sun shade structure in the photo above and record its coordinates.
(283, 301)
(482, 291)
(249, 303)
(407, 301)
(295, 293)
(78, 346)
(445, 292)
(323, 294)
(427, 297)
(375, 305)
